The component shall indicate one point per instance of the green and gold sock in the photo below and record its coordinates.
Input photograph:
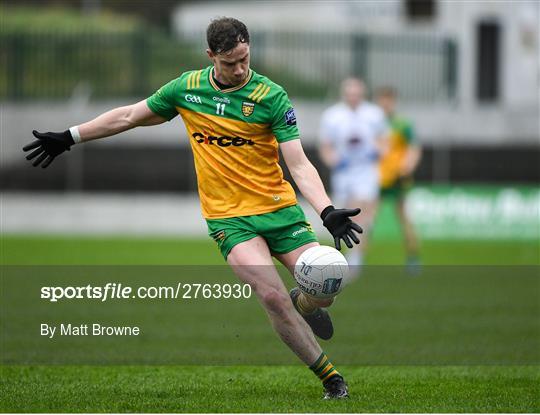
(305, 307)
(323, 368)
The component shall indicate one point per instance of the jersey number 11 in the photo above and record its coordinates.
(220, 109)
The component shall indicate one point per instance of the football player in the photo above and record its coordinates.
(236, 119)
(397, 168)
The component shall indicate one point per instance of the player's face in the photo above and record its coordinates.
(352, 91)
(387, 103)
(232, 67)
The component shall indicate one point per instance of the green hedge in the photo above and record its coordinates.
(24, 20)
(48, 53)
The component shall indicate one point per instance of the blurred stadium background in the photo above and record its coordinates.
(467, 73)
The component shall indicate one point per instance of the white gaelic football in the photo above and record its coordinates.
(321, 271)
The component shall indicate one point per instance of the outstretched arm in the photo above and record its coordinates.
(50, 145)
(119, 120)
(306, 177)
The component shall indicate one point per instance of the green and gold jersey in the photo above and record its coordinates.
(234, 134)
(401, 138)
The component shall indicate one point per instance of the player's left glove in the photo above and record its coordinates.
(48, 146)
(339, 224)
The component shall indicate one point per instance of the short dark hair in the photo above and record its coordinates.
(225, 33)
(387, 91)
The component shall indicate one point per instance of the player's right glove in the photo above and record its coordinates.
(339, 224)
(48, 146)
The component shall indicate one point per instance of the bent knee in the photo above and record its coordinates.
(276, 302)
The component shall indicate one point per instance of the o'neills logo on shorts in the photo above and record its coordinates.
(299, 231)
(222, 141)
(303, 229)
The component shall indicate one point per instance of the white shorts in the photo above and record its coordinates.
(355, 184)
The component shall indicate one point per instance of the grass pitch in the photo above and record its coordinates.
(267, 389)
(72, 250)
(283, 388)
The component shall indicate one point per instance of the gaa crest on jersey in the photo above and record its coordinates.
(248, 108)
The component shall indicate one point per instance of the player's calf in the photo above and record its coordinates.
(276, 302)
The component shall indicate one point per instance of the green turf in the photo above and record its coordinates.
(445, 316)
(42, 250)
(267, 389)
(498, 325)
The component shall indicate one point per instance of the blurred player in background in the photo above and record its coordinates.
(353, 136)
(236, 120)
(397, 167)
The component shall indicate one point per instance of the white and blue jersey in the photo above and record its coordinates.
(353, 133)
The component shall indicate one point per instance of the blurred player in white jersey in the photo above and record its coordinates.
(354, 135)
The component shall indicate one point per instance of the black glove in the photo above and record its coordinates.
(340, 226)
(48, 146)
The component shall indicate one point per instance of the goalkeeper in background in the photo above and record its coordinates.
(397, 167)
